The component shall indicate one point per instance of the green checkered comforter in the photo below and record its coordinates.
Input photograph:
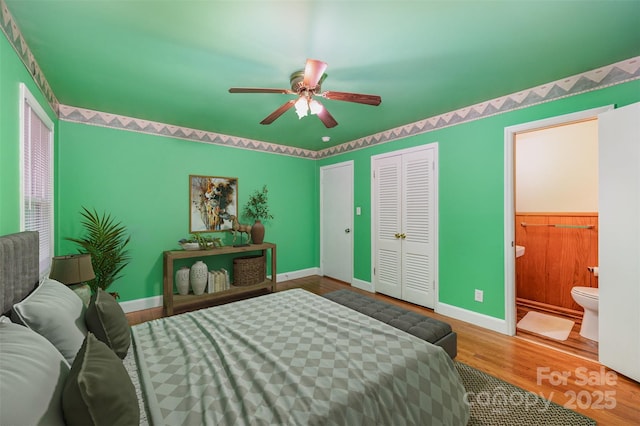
(292, 358)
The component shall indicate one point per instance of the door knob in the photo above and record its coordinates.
(397, 235)
(346, 231)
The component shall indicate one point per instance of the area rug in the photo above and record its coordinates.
(546, 325)
(495, 402)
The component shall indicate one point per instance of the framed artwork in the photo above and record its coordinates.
(213, 200)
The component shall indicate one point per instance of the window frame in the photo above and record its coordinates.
(27, 98)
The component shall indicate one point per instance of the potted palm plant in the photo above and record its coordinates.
(106, 241)
(257, 209)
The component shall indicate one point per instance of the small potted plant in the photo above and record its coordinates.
(200, 242)
(257, 209)
(106, 241)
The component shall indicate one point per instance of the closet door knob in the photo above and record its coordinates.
(346, 231)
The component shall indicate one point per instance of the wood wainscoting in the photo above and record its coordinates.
(556, 257)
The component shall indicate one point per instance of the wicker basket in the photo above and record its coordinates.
(249, 270)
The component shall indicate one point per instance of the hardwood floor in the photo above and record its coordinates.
(573, 381)
(575, 344)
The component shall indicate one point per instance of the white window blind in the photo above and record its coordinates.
(37, 174)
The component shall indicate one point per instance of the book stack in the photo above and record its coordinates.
(218, 281)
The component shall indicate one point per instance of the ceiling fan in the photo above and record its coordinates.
(306, 84)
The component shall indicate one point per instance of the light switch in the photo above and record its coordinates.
(358, 211)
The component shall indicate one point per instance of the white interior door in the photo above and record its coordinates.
(418, 248)
(336, 222)
(619, 239)
(387, 200)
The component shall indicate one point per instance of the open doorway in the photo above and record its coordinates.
(556, 230)
(561, 230)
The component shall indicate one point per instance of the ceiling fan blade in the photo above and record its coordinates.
(277, 113)
(359, 98)
(326, 118)
(313, 72)
(260, 90)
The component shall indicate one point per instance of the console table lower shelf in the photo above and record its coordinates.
(176, 302)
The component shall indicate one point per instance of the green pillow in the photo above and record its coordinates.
(54, 311)
(106, 319)
(32, 376)
(98, 390)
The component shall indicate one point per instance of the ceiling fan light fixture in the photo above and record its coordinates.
(305, 106)
(315, 107)
(302, 107)
(307, 84)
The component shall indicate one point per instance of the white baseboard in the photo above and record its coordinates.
(363, 285)
(286, 276)
(471, 317)
(491, 323)
(141, 304)
(156, 301)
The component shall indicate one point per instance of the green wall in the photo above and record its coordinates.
(12, 73)
(143, 181)
(471, 197)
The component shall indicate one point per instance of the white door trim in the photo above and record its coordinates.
(349, 185)
(509, 202)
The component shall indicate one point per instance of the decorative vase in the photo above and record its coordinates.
(182, 280)
(257, 232)
(82, 290)
(198, 277)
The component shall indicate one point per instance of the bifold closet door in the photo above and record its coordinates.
(404, 225)
(387, 189)
(418, 264)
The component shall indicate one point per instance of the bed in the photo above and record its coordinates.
(287, 358)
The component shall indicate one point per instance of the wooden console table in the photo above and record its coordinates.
(175, 302)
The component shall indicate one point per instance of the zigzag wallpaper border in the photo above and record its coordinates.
(606, 76)
(17, 41)
(104, 119)
(610, 75)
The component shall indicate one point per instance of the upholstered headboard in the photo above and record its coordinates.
(18, 267)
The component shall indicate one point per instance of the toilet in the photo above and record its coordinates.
(587, 297)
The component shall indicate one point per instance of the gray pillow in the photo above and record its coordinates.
(32, 377)
(56, 312)
(106, 319)
(99, 390)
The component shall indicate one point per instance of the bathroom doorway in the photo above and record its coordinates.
(551, 227)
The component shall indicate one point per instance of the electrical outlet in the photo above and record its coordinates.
(479, 294)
